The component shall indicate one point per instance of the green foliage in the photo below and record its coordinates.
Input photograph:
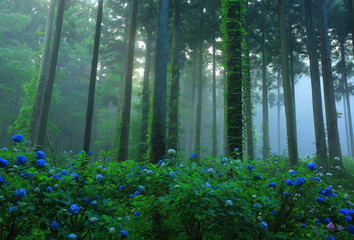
(178, 199)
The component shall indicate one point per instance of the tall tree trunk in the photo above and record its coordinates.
(320, 136)
(124, 125)
(351, 13)
(346, 124)
(232, 30)
(158, 125)
(278, 110)
(173, 114)
(215, 136)
(248, 97)
(92, 86)
(146, 97)
(198, 127)
(45, 105)
(265, 100)
(288, 98)
(43, 70)
(190, 146)
(331, 112)
(346, 94)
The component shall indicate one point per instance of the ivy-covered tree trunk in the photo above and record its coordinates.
(92, 86)
(173, 114)
(288, 98)
(233, 12)
(334, 149)
(158, 124)
(145, 100)
(198, 126)
(45, 105)
(124, 124)
(42, 77)
(320, 136)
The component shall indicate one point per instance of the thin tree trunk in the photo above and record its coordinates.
(346, 94)
(346, 124)
(158, 125)
(215, 136)
(146, 97)
(198, 126)
(289, 111)
(93, 75)
(331, 112)
(320, 136)
(278, 110)
(42, 126)
(173, 115)
(43, 70)
(265, 101)
(124, 125)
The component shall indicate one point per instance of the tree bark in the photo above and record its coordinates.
(232, 21)
(173, 114)
(158, 125)
(43, 71)
(331, 112)
(215, 136)
(45, 105)
(289, 106)
(265, 122)
(124, 125)
(93, 75)
(146, 97)
(320, 136)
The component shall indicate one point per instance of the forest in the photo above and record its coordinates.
(121, 119)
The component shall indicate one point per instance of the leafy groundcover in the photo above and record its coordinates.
(174, 199)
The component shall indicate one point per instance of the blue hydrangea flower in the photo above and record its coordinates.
(41, 163)
(26, 175)
(351, 229)
(57, 176)
(4, 149)
(208, 185)
(316, 179)
(90, 153)
(136, 193)
(93, 203)
(65, 172)
(250, 167)
(348, 218)
(312, 166)
(136, 214)
(21, 160)
(54, 225)
(17, 138)
(229, 203)
(258, 176)
(40, 155)
(299, 181)
(303, 225)
(331, 237)
(257, 206)
(131, 195)
(13, 208)
(286, 194)
(49, 189)
(99, 177)
(75, 176)
(121, 187)
(193, 156)
(20, 193)
(327, 192)
(85, 200)
(74, 209)
(3, 163)
(346, 211)
(272, 184)
(293, 172)
(274, 212)
(320, 200)
(141, 188)
(263, 225)
(72, 236)
(289, 182)
(2, 181)
(326, 220)
(123, 234)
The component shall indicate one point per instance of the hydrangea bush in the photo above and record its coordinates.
(174, 199)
